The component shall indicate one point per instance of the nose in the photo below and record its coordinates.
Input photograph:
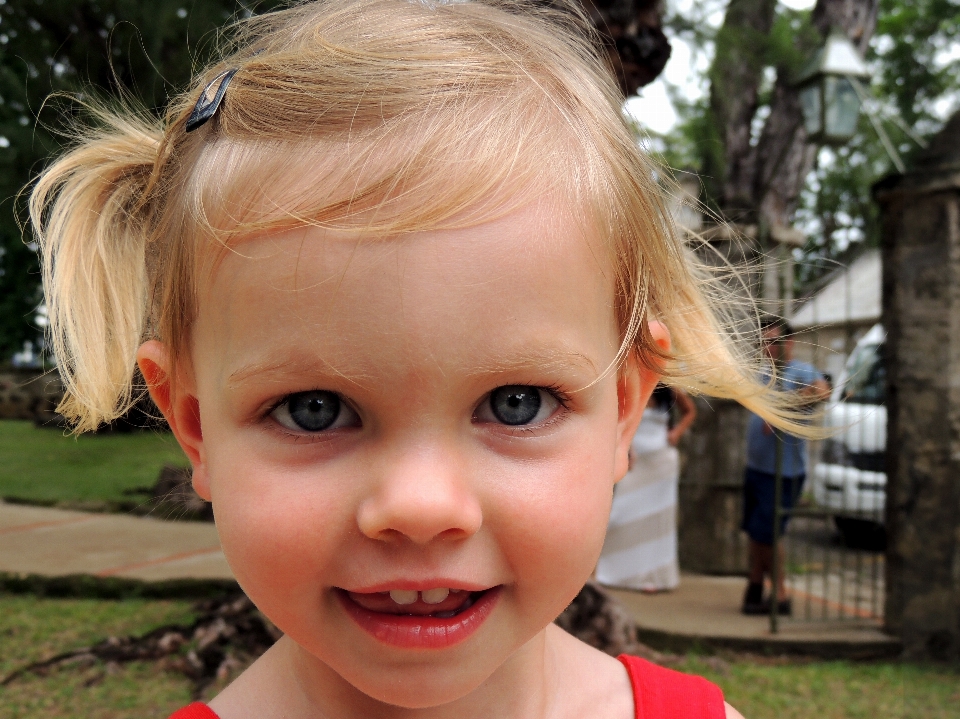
(422, 495)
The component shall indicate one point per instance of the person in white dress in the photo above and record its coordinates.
(640, 549)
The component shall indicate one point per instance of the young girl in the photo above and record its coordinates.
(401, 282)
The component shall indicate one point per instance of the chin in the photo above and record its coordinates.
(421, 686)
(424, 679)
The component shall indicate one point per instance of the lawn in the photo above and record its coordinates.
(775, 689)
(761, 688)
(47, 465)
(32, 628)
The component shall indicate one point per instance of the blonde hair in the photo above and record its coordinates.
(406, 115)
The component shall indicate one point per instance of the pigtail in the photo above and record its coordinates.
(90, 213)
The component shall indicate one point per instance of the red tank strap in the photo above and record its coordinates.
(660, 693)
(197, 710)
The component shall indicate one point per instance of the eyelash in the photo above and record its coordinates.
(558, 394)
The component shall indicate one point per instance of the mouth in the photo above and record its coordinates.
(433, 618)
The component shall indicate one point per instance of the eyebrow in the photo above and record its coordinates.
(290, 367)
(547, 359)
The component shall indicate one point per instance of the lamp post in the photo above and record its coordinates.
(828, 91)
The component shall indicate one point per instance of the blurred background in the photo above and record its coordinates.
(801, 134)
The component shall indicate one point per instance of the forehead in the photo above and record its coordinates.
(531, 283)
(413, 173)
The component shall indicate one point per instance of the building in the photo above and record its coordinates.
(829, 322)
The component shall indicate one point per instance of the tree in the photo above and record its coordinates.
(762, 180)
(632, 30)
(746, 139)
(104, 47)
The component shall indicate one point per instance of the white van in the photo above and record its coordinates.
(850, 479)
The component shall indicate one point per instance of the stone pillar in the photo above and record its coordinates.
(711, 490)
(714, 451)
(921, 313)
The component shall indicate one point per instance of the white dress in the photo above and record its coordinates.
(640, 550)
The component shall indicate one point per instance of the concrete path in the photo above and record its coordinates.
(54, 542)
(706, 610)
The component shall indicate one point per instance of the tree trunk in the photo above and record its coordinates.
(735, 78)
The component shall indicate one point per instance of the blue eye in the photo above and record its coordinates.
(314, 411)
(517, 405)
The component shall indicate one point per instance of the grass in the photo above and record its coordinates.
(775, 689)
(45, 465)
(761, 688)
(32, 628)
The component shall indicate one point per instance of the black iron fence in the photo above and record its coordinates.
(835, 542)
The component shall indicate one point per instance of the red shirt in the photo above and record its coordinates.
(658, 693)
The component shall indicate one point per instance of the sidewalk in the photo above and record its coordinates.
(55, 542)
(705, 611)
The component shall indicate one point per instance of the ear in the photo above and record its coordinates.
(635, 384)
(179, 405)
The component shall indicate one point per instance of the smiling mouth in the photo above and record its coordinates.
(441, 603)
(424, 619)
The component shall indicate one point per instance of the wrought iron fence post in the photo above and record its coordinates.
(775, 559)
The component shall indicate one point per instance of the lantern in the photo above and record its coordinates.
(828, 96)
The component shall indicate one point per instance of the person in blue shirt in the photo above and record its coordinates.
(759, 478)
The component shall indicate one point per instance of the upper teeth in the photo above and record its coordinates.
(409, 596)
(434, 596)
(403, 596)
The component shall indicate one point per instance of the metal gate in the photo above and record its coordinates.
(834, 544)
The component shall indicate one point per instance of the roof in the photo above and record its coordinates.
(838, 56)
(852, 296)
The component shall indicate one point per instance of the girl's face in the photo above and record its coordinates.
(410, 443)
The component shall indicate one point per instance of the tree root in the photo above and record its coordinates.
(229, 632)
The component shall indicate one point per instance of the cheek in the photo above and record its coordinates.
(554, 530)
(280, 529)
(568, 520)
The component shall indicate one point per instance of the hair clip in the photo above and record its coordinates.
(210, 99)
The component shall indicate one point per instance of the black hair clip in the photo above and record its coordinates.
(210, 99)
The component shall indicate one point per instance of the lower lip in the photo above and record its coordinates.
(422, 632)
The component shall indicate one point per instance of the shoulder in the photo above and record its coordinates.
(197, 710)
(267, 689)
(665, 693)
(803, 371)
(803, 367)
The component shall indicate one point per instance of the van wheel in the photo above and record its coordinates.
(862, 533)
